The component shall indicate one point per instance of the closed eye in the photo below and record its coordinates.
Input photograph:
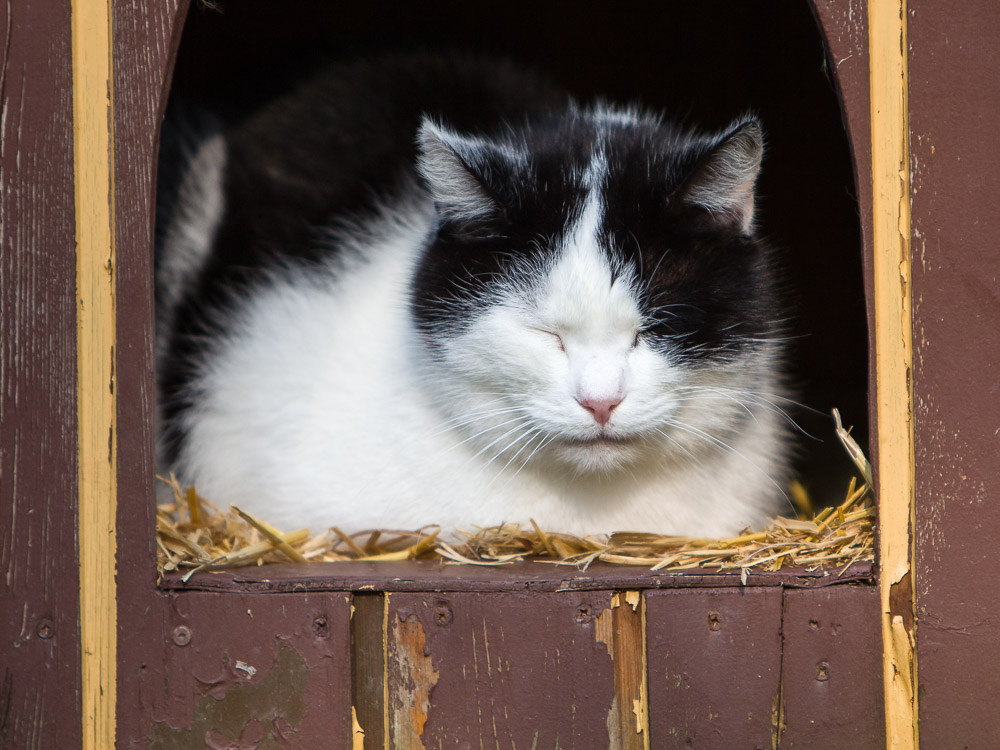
(554, 336)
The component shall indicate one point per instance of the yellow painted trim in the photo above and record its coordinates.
(893, 361)
(386, 740)
(93, 163)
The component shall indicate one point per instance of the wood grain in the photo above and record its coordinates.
(954, 100)
(432, 575)
(628, 723)
(893, 359)
(514, 669)
(39, 583)
(93, 94)
(145, 41)
(714, 667)
(830, 670)
(368, 647)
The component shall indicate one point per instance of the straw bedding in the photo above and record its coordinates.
(193, 535)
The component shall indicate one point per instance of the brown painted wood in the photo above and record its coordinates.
(845, 28)
(831, 670)
(515, 669)
(368, 667)
(259, 671)
(954, 100)
(714, 667)
(39, 580)
(145, 39)
(432, 575)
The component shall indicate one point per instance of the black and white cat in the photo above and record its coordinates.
(422, 290)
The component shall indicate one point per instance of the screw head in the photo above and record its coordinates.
(822, 672)
(182, 635)
(45, 628)
(583, 614)
(443, 615)
(321, 626)
(714, 621)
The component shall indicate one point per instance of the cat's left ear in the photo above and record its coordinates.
(723, 182)
(456, 169)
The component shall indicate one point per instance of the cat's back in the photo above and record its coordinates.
(343, 142)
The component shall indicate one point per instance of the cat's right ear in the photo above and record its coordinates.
(723, 184)
(453, 166)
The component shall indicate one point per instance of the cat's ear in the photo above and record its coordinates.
(453, 166)
(723, 182)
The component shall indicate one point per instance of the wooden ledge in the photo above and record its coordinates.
(433, 575)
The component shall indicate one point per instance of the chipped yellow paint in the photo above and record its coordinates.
(893, 360)
(385, 672)
(622, 630)
(357, 733)
(640, 707)
(603, 631)
(93, 164)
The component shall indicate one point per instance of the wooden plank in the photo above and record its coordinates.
(93, 94)
(500, 670)
(714, 667)
(368, 654)
(954, 66)
(845, 27)
(145, 40)
(893, 362)
(831, 670)
(431, 575)
(628, 722)
(248, 671)
(39, 585)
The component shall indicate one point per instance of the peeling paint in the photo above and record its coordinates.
(261, 715)
(410, 702)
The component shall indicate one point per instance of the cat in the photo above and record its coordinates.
(430, 290)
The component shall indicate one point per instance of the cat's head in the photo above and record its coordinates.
(595, 294)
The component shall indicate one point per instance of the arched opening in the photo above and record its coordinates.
(706, 63)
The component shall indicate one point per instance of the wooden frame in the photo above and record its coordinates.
(88, 657)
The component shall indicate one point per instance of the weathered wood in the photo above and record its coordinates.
(954, 65)
(831, 696)
(845, 27)
(97, 450)
(146, 35)
(515, 669)
(894, 362)
(714, 667)
(39, 581)
(628, 722)
(260, 671)
(368, 647)
(432, 575)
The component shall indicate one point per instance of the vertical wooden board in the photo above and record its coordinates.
(954, 65)
(146, 35)
(253, 670)
(145, 39)
(39, 586)
(714, 661)
(831, 669)
(845, 26)
(499, 670)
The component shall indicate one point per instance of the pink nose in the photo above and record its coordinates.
(601, 408)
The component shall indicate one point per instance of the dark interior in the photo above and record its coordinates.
(705, 62)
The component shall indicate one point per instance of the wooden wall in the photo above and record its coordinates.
(781, 661)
